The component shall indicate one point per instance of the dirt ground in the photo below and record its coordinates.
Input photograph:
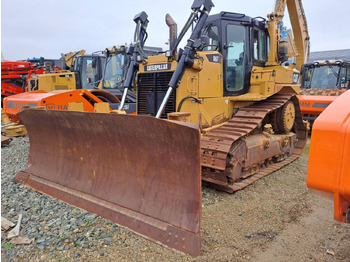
(276, 219)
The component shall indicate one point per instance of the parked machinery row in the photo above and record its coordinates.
(222, 110)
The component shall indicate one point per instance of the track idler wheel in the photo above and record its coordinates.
(283, 118)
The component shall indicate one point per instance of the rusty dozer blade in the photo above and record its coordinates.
(137, 171)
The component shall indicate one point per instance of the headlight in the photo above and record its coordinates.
(168, 53)
(295, 78)
(139, 58)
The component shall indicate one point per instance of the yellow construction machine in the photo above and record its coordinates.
(223, 109)
(55, 77)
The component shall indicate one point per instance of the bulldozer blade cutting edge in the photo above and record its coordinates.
(140, 172)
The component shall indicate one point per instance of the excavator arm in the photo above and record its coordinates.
(69, 58)
(298, 44)
(300, 31)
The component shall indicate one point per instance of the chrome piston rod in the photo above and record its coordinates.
(164, 102)
(122, 103)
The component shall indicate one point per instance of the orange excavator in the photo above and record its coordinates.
(223, 110)
(322, 82)
(329, 165)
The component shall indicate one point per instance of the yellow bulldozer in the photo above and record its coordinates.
(223, 110)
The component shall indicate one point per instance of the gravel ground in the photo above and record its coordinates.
(55, 226)
(276, 219)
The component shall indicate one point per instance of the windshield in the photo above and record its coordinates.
(323, 77)
(114, 70)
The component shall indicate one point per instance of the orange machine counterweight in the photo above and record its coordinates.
(55, 100)
(329, 159)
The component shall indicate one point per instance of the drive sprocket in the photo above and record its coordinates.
(283, 118)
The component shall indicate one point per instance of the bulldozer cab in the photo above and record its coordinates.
(88, 70)
(242, 41)
(232, 44)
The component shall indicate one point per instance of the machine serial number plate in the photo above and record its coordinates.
(158, 67)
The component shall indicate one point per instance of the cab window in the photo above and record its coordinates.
(323, 77)
(88, 74)
(114, 70)
(212, 32)
(345, 78)
(260, 45)
(235, 58)
(306, 78)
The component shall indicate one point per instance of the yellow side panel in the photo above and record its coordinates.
(188, 86)
(266, 81)
(76, 106)
(212, 110)
(56, 81)
(101, 107)
(211, 76)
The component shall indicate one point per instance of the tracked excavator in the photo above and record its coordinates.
(232, 118)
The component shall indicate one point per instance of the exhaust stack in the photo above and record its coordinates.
(172, 30)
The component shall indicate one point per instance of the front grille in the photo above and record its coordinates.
(151, 90)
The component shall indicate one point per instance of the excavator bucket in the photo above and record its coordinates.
(140, 172)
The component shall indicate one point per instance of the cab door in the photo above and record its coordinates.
(235, 50)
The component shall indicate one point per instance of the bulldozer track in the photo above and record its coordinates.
(217, 143)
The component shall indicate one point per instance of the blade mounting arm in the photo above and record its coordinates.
(186, 57)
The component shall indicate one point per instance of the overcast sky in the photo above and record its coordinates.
(34, 28)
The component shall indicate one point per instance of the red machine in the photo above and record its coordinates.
(14, 76)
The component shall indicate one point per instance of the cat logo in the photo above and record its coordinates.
(158, 67)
